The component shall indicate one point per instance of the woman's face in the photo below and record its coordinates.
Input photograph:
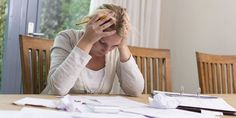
(106, 44)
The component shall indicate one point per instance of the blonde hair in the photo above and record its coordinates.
(122, 24)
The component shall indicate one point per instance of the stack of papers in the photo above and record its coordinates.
(37, 102)
(123, 107)
(200, 102)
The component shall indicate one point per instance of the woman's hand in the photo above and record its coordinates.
(94, 31)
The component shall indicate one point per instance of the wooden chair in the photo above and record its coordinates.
(217, 73)
(35, 63)
(155, 67)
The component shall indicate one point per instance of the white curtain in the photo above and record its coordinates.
(145, 20)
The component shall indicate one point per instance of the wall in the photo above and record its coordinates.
(196, 25)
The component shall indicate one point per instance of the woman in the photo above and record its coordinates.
(87, 61)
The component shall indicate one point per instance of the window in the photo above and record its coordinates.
(58, 15)
(3, 12)
(44, 16)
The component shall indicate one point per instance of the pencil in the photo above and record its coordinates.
(88, 19)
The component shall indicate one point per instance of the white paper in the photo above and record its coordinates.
(217, 103)
(167, 113)
(215, 113)
(28, 112)
(36, 102)
(103, 115)
(128, 107)
(44, 113)
(109, 100)
(9, 114)
(201, 101)
(135, 108)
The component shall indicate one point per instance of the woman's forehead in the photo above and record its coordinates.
(113, 39)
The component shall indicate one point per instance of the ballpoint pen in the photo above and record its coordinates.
(190, 95)
(185, 95)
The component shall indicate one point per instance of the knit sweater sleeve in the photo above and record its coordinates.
(67, 61)
(130, 77)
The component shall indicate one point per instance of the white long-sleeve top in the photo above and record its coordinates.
(68, 62)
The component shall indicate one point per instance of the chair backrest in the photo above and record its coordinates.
(155, 67)
(217, 73)
(35, 63)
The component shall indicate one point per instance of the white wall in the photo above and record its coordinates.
(196, 25)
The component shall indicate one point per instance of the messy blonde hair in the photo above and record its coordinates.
(121, 25)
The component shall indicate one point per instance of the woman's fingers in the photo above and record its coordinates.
(94, 19)
(96, 27)
(107, 25)
(105, 18)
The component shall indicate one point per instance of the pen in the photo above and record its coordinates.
(185, 95)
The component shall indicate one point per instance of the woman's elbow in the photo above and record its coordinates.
(56, 90)
(59, 92)
(135, 91)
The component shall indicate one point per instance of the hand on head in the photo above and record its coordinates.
(95, 29)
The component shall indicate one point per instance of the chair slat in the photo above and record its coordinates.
(223, 78)
(206, 78)
(149, 81)
(210, 78)
(25, 74)
(47, 66)
(167, 76)
(154, 74)
(34, 70)
(228, 78)
(214, 78)
(202, 80)
(218, 78)
(234, 78)
(40, 68)
(138, 62)
(160, 75)
(144, 74)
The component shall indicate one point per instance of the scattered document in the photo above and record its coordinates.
(217, 103)
(167, 113)
(109, 100)
(9, 114)
(198, 102)
(38, 102)
(102, 106)
(44, 113)
(28, 112)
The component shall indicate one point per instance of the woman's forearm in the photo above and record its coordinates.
(64, 72)
(124, 53)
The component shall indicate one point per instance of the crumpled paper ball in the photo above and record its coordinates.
(162, 101)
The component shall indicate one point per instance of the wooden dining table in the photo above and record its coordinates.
(6, 100)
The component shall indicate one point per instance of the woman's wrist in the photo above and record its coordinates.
(85, 44)
(124, 53)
